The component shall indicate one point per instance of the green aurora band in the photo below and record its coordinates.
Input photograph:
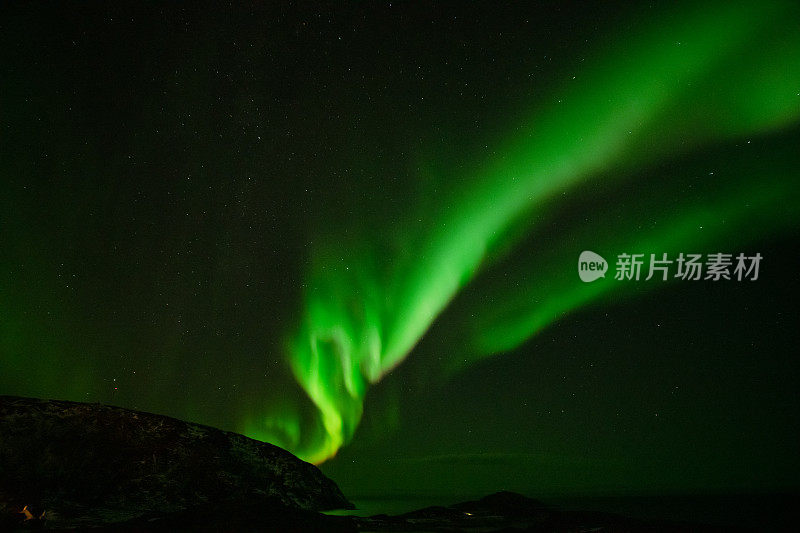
(698, 78)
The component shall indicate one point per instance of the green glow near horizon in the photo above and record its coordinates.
(709, 76)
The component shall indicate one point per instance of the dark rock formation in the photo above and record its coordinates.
(73, 465)
(88, 464)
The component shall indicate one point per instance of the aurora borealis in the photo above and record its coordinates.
(353, 231)
(358, 327)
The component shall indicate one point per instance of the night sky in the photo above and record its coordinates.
(354, 231)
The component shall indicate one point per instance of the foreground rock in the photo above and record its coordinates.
(67, 464)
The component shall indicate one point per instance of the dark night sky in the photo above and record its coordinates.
(170, 173)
